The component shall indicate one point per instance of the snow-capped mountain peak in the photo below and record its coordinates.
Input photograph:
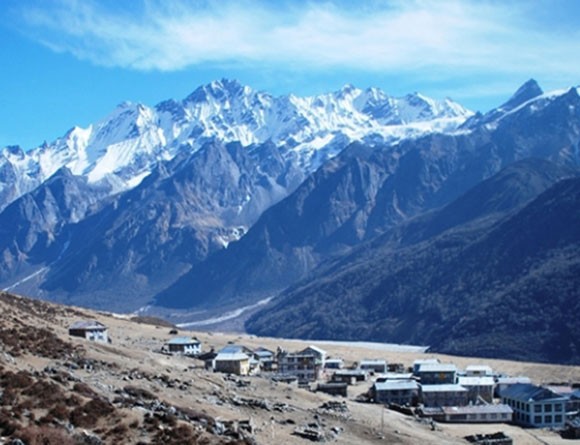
(122, 148)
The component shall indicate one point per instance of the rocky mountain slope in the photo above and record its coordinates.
(366, 190)
(492, 274)
(200, 192)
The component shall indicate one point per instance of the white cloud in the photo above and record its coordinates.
(437, 37)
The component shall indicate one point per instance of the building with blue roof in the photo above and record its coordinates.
(183, 345)
(535, 406)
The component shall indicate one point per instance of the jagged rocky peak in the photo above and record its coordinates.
(218, 89)
(527, 91)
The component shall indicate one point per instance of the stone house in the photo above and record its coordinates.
(90, 330)
(443, 395)
(182, 345)
(400, 392)
(479, 388)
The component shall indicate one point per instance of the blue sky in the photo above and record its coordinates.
(70, 62)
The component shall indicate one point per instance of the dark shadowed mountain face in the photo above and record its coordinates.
(145, 238)
(31, 228)
(494, 283)
(366, 190)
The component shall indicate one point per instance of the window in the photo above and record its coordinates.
(558, 407)
(548, 419)
(537, 408)
(558, 418)
(537, 419)
(548, 408)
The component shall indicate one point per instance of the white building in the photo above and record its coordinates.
(535, 406)
(89, 329)
(183, 345)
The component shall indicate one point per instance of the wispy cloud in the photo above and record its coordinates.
(435, 37)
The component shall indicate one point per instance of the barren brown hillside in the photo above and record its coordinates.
(59, 389)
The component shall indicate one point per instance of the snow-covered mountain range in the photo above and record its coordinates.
(120, 150)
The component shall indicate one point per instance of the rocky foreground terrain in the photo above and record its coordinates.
(56, 389)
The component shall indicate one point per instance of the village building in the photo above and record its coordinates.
(488, 413)
(266, 358)
(182, 345)
(208, 359)
(437, 373)
(504, 382)
(480, 389)
(535, 406)
(333, 388)
(350, 376)
(443, 395)
(573, 403)
(306, 365)
(319, 353)
(254, 359)
(90, 330)
(426, 361)
(334, 363)
(393, 376)
(373, 366)
(400, 392)
(232, 363)
(478, 371)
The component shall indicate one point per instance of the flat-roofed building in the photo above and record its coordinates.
(437, 373)
(478, 371)
(480, 388)
(400, 392)
(443, 395)
(373, 366)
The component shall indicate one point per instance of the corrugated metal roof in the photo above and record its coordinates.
(225, 356)
(443, 388)
(88, 325)
(529, 393)
(476, 381)
(476, 368)
(392, 385)
(437, 367)
(232, 349)
(183, 341)
(314, 348)
(373, 362)
(478, 409)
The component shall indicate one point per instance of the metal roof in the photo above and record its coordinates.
(373, 362)
(315, 349)
(231, 349)
(513, 380)
(478, 409)
(88, 325)
(235, 356)
(476, 381)
(485, 368)
(183, 341)
(437, 367)
(443, 388)
(396, 385)
(530, 393)
(394, 376)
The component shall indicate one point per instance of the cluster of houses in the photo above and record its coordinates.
(435, 390)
